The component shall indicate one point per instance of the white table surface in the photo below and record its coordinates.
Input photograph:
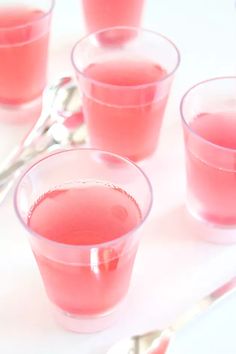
(174, 266)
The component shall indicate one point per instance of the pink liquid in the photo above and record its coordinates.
(90, 214)
(124, 118)
(212, 171)
(101, 14)
(23, 54)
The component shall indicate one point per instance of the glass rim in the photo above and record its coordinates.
(38, 19)
(186, 124)
(82, 247)
(137, 29)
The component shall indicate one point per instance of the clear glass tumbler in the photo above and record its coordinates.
(208, 112)
(125, 76)
(24, 38)
(83, 210)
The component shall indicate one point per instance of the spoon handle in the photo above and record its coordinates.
(208, 301)
(26, 150)
(9, 174)
(199, 308)
(14, 163)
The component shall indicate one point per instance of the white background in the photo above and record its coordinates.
(175, 267)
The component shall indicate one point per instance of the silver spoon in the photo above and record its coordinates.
(61, 103)
(146, 343)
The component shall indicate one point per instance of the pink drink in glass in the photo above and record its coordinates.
(125, 82)
(101, 14)
(82, 210)
(90, 214)
(209, 121)
(24, 38)
(22, 66)
(132, 130)
(213, 185)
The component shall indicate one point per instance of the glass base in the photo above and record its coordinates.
(211, 232)
(22, 113)
(87, 324)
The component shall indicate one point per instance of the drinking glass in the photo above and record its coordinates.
(101, 14)
(125, 76)
(208, 112)
(24, 38)
(83, 210)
